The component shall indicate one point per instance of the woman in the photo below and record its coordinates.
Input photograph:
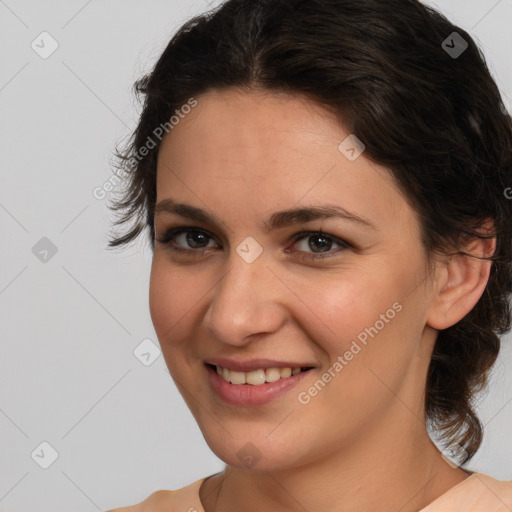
(323, 186)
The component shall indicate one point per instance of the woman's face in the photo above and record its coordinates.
(246, 282)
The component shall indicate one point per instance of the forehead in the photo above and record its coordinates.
(237, 119)
(269, 151)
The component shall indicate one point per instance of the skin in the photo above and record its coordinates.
(360, 444)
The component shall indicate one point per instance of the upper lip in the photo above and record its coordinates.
(254, 364)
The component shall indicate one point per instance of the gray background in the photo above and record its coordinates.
(70, 324)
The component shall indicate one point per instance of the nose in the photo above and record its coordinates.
(247, 302)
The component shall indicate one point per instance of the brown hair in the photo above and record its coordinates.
(435, 119)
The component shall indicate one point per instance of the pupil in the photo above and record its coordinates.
(194, 236)
(324, 242)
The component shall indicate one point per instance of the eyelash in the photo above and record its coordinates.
(170, 236)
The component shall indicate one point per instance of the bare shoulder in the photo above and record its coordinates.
(159, 501)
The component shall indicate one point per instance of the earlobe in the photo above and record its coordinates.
(461, 282)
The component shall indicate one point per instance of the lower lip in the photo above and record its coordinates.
(249, 395)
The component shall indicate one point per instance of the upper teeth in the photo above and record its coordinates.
(257, 377)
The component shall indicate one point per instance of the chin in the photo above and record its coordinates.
(257, 452)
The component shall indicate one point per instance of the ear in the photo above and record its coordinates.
(461, 280)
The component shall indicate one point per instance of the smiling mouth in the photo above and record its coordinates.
(257, 377)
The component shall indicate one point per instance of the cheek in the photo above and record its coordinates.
(341, 308)
(367, 329)
(161, 300)
(173, 295)
(367, 341)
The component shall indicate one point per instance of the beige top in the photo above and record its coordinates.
(477, 493)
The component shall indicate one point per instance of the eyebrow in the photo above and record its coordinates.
(277, 220)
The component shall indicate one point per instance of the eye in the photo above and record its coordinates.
(187, 239)
(311, 245)
(319, 243)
